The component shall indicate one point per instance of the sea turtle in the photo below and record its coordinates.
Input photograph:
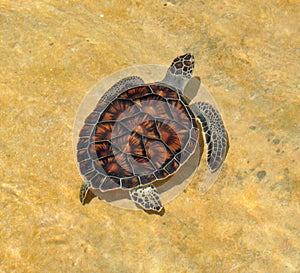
(140, 132)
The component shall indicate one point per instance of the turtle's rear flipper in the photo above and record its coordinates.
(147, 197)
(85, 193)
(215, 134)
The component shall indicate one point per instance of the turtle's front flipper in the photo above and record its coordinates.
(121, 86)
(147, 197)
(215, 134)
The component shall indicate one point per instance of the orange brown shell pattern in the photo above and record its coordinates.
(144, 134)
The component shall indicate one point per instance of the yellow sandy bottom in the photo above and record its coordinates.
(53, 52)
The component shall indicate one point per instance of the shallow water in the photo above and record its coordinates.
(53, 53)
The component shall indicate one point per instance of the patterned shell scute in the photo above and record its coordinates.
(144, 134)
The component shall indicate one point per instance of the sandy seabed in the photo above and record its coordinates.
(53, 52)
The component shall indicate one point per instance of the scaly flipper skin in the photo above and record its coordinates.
(147, 197)
(120, 87)
(85, 192)
(215, 134)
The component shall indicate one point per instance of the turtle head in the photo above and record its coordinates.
(180, 71)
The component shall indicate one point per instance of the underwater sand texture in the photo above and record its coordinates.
(246, 53)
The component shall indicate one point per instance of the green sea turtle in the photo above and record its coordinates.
(140, 132)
